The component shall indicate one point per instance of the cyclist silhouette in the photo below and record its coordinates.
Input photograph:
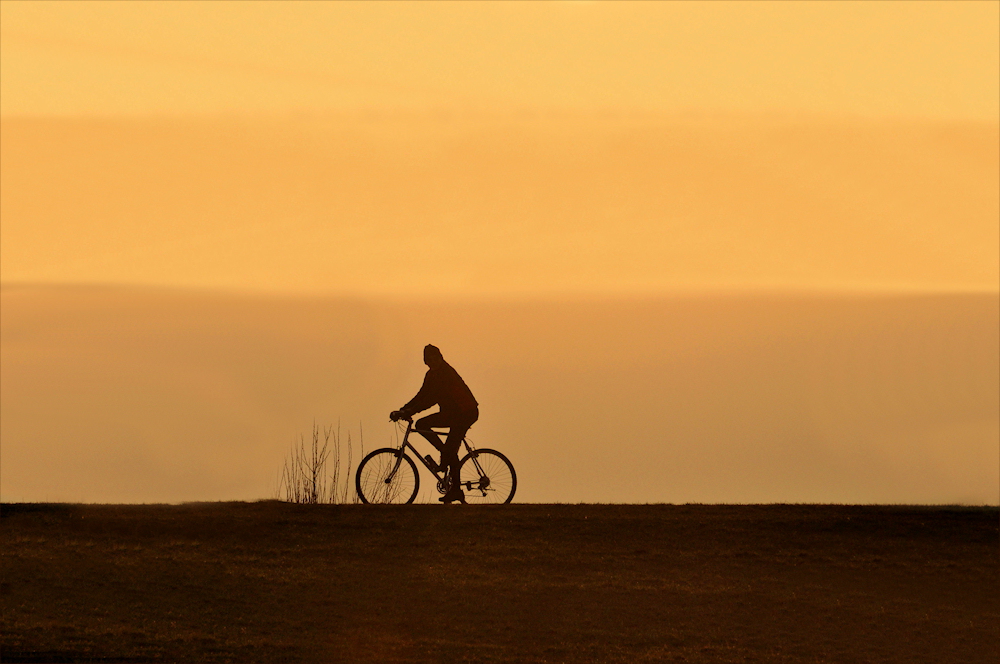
(458, 411)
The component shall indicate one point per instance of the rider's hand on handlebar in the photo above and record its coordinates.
(397, 415)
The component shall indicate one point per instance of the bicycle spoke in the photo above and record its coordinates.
(488, 477)
(387, 476)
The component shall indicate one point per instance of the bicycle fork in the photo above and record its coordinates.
(392, 473)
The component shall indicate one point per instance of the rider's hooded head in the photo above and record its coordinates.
(432, 356)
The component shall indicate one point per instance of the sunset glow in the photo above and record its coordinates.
(288, 199)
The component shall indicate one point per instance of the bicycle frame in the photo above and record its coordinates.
(420, 457)
(474, 473)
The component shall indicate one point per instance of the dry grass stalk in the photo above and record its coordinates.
(320, 470)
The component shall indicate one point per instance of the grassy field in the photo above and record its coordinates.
(524, 583)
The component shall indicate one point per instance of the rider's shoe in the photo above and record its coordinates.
(453, 496)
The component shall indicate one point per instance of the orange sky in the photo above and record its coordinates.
(139, 395)
(521, 148)
(375, 176)
(922, 59)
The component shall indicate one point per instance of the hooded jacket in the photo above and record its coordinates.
(442, 386)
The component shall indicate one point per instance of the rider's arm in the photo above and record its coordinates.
(426, 397)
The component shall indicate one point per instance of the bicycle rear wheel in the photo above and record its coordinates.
(387, 476)
(487, 478)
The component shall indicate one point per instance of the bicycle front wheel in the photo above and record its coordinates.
(387, 476)
(487, 478)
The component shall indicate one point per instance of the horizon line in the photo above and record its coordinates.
(847, 290)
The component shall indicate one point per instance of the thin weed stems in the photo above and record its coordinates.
(319, 471)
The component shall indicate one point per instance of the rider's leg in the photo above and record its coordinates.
(449, 454)
(432, 420)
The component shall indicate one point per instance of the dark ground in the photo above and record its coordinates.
(523, 583)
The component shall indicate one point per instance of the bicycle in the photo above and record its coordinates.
(389, 476)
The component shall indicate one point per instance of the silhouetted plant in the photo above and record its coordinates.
(319, 471)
